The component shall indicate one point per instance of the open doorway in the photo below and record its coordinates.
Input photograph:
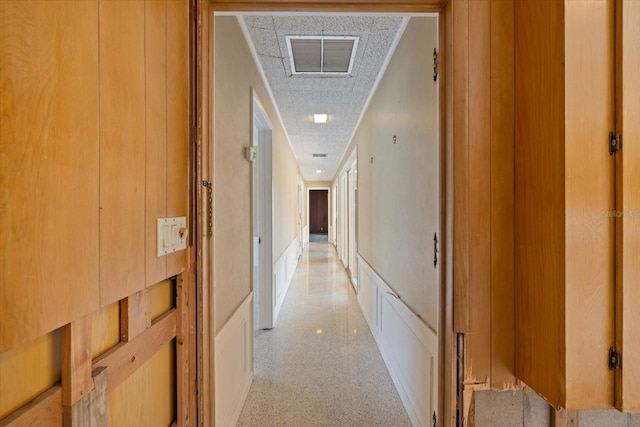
(368, 166)
(318, 215)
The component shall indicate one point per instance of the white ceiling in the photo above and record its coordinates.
(343, 98)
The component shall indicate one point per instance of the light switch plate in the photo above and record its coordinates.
(172, 235)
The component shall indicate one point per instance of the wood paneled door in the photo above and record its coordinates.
(319, 211)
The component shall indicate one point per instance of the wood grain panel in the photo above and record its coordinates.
(460, 166)
(48, 166)
(502, 197)
(147, 397)
(177, 192)
(628, 251)
(156, 134)
(589, 191)
(29, 370)
(163, 298)
(478, 339)
(106, 329)
(122, 149)
(45, 410)
(564, 183)
(539, 211)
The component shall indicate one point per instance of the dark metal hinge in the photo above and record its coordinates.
(615, 359)
(615, 143)
(209, 187)
(435, 65)
(435, 250)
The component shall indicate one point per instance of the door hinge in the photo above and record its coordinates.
(209, 187)
(435, 250)
(615, 143)
(615, 359)
(435, 65)
(435, 419)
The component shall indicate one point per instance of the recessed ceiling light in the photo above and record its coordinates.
(320, 118)
(318, 171)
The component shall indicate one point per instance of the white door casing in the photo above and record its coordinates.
(262, 259)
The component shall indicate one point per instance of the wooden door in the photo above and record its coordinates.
(627, 380)
(563, 184)
(318, 211)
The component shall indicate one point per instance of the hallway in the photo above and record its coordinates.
(320, 365)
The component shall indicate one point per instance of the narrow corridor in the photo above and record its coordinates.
(320, 365)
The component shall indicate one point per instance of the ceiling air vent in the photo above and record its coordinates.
(321, 54)
(319, 155)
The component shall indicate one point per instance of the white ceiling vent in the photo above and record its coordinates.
(322, 54)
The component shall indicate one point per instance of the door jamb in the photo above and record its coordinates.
(204, 162)
(259, 116)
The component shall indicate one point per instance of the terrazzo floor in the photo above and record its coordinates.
(320, 365)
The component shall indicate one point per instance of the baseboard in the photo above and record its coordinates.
(234, 364)
(408, 346)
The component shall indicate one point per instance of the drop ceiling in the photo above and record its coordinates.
(342, 96)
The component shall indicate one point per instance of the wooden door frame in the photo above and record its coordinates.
(204, 161)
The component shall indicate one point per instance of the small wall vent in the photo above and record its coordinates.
(322, 54)
(319, 155)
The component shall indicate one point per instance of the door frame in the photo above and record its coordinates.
(343, 213)
(352, 218)
(447, 406)
(308, 230)
(334, 215)
(262, 213)
(300, 226)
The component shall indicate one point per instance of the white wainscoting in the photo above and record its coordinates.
(408, 346)
(283, 270)
(234, 364)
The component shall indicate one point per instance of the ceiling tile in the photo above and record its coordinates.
(298, 97)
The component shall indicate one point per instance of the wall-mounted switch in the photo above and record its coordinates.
(172, 235)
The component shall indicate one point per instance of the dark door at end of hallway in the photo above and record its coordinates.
(319, 211)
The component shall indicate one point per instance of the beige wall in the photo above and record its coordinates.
(235, 75)
(397, 192)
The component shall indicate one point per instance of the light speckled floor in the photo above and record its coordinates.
(320, 365)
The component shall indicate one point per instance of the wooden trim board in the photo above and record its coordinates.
(45, 409)
(125, 358)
